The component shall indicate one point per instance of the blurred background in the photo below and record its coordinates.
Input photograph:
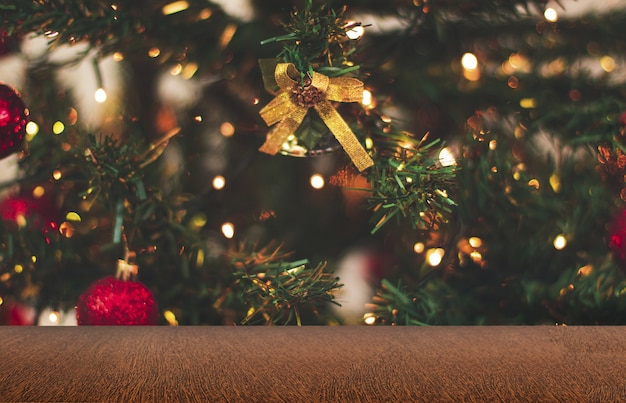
(146, 117)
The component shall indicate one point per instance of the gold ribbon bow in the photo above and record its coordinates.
(290, 106)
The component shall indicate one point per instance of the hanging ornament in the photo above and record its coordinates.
(35, 209)
(617, 238)
(295, 101)
(14, 313)
(13, 114)
(117, 301)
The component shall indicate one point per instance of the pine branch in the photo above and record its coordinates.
(317, 41)
(392, 305)
(277, 291)
(191, 34)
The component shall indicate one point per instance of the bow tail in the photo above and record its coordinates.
(279, 133)
(344, 135)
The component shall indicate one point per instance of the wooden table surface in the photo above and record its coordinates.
(312, 364)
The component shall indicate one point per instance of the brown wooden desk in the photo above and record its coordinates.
(313, 364)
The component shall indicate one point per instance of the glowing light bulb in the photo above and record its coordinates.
(228, 229)
(66, 229)
(367, 98)
(317, 181)
(418, 247)
(53, 317)
(175, 7)
(446, 158)
(189, 70)
(227, 35)
(469, 61)
(100, 95)
(32, 129)
(227, 129)
(72, 116)
(475, 242)
(534, 183)
(527, 103)
(585, 270)
(198, 221)
(369, 319)
(555, 182)
(470, 67)
(356, 32)
(176, 69)
(435, 256)
(38, 192)
(154, 52)
(476, 256)
(550, 15)
(607, 63)
(170, 317)
(73, 216)
(219, 182)
(205, 14)
(560, 242)
(200, 258)
(58, 127)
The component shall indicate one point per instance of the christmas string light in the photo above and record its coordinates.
(218, 182)
(550, 15)
(317, 181)
(560, 242)
(418, 247)
(100, 95)
(434, 256)
(58, 127)
(228, 230)
(175, 7)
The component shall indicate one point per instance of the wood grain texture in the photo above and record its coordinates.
(313, 364)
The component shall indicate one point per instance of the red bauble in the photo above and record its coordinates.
(13, 313)
(37, 211)
(617, 237)
(111, 301)
(25, 209)
(13, 114)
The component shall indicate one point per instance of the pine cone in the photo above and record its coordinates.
(307, 95)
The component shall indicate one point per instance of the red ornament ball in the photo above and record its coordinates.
(26, 208)
(13, 114)
(33, 211)
(110, 301)
(617, 237)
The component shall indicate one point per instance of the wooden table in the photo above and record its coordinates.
(313, 364)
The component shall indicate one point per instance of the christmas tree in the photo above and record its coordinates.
(313, 162)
